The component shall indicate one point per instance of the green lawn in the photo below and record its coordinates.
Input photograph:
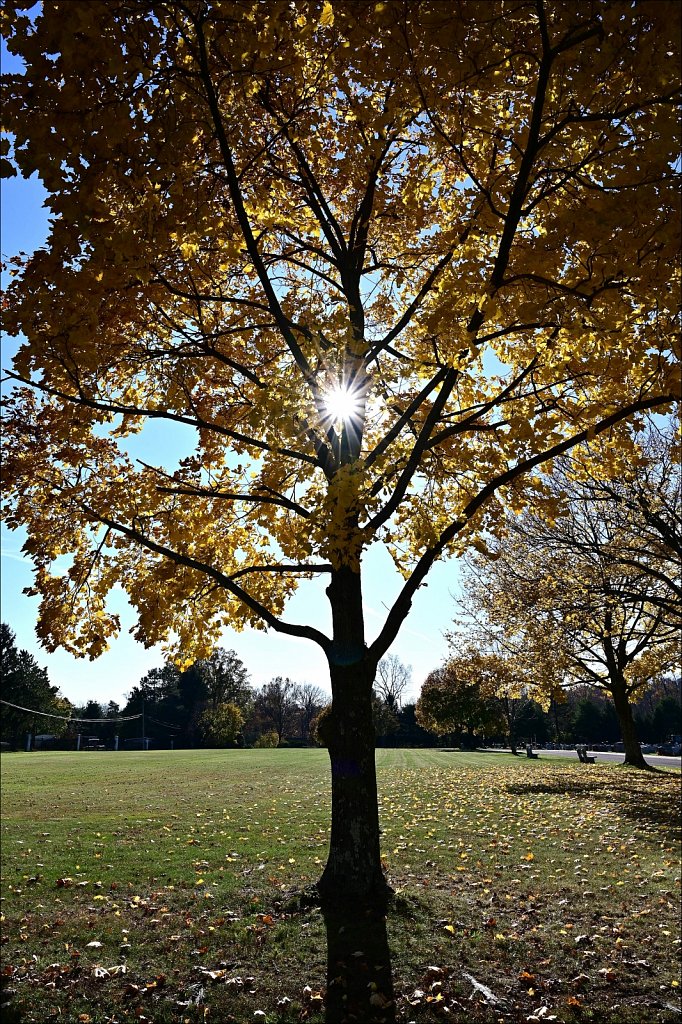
(156, 887)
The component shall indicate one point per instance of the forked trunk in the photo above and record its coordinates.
(353, 870)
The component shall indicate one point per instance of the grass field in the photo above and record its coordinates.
(156, 887)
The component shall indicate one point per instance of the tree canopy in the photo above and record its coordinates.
(255, 210)
(461, 695)
(384, 260)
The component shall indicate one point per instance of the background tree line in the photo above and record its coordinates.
(212, 704)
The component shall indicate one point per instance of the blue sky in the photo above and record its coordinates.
(420, 642)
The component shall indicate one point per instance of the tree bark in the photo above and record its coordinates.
(626, 721)
(353, 869)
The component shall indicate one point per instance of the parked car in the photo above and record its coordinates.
(649, 748)
(670, 749)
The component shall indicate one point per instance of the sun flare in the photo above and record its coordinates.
(342, 403)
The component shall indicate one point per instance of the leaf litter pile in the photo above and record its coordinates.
(165, 887)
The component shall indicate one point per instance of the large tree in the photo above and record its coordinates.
(276, 705)
(569, 596)
(384, 260)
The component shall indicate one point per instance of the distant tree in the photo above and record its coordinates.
(25, 683)
(108, 730)
(177, 698)
(666, 719)
(503, 678)
(453, 700)
(410, 733)
(158, 695)
(226, 679)
(532, 722)
(385, 719)
(276, 705)
(161, 682)
(392, 680)
(93, 709)
(221, 725)
(310, 700)
(90, 711)
(588, 725)
(320, 725)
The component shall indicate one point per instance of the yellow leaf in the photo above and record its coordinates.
(327, 14)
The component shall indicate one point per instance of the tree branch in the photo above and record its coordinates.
(403, 602)
(192, 421)
(207, 492)
(226, 582)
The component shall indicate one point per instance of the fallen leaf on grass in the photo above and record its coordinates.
(542, 1014)
(312, 998)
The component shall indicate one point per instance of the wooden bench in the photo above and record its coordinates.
(583, 756)
(529, 751)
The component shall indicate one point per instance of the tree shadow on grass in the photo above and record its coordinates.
(359, 976)
(654, 807)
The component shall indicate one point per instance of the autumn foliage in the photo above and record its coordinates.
(459, 221)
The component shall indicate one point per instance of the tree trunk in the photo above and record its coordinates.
(353, 869)
(511, 724)
(555, 709)
(633, 751)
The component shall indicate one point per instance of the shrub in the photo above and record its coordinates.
(267, 739)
